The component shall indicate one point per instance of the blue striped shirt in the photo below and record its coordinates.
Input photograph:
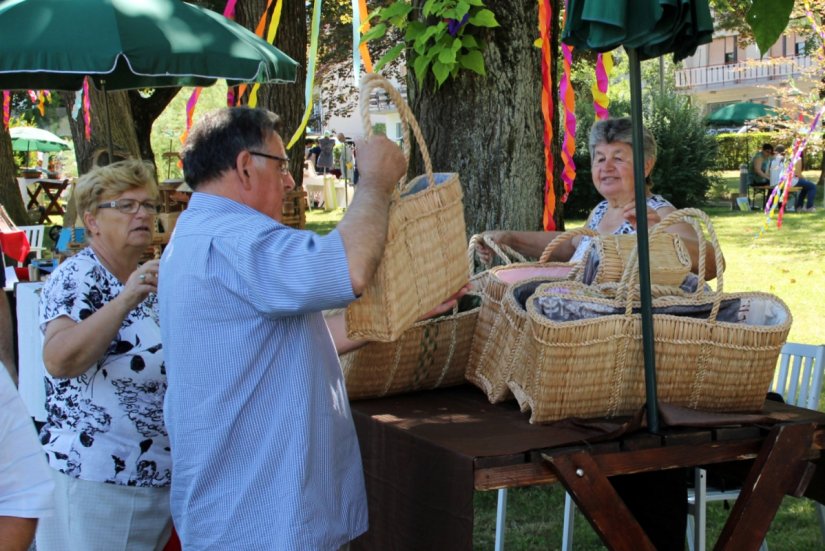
(264, 449)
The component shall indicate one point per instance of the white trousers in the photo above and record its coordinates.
(95, 516)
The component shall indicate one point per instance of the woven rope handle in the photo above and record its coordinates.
(563, 238)
(374, 81)
(505, 253)
(696, 218)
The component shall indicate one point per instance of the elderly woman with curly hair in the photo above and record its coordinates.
(104, 435)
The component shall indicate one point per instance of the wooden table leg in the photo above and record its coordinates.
(778, 469)
(599, 502)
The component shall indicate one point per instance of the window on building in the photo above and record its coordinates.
(799, 48)
(730, 50)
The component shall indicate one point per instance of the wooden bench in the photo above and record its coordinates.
(764, 189)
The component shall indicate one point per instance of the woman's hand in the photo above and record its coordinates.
(629, 214)
(141, 282)
(485, 253)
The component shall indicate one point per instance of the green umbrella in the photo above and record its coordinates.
(737, 114)
(646, 29)
(127, 44)
(29, 138)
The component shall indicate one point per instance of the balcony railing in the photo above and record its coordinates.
(380, 101)
(745, 72)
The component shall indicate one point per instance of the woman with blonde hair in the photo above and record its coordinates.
(104, 435)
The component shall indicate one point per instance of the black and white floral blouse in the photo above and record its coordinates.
(106, 425)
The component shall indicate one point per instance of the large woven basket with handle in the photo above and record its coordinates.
(714, 350)
(424, 257)
(500, 329)
(433, 353)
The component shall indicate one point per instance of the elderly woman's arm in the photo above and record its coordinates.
(528, 243)
(70, 348)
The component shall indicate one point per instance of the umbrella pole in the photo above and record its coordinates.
(642, 238)
(108, 120)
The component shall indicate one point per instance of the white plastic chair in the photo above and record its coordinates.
(35, 236)
(799, 381)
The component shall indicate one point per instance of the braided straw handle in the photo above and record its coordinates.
(373, 81)
(564, 237)
(505, 253)
(692, 217)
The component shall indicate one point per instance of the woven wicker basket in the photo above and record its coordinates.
(594, 367)
(431, 354)
(500, 328)
(669, 258)
(423, 260)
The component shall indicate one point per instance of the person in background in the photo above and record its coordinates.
(759, 166)
(26, 486)
(611, 154)
(104, 435)
(264, 448)
(808, 190)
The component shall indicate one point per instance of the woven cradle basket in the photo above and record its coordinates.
(433, 353)
(669, 258)
(430, 354)
(500, 329)
(423, 260)
(595, 368)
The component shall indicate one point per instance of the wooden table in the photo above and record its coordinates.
(51, 189)
(424, 454)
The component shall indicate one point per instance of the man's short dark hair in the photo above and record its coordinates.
(218, 137)
(767, 147)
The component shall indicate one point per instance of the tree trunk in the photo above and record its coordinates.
(10, 196)
(489, 129)
(145, 111)
(287, 100)
(124, 136)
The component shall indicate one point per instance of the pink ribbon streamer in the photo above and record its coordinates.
(87, 107)
(6, 109)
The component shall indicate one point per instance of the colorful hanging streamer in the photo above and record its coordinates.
(568, 101)
(604, 66)
(229, 9)
(229, 13)
(6, 109)
(786, 178)
(310, 82)
(41, 103)
(190, 112)
(270, 37)
(365, 26)
(545, 24)
(87, 107)
(78, 103)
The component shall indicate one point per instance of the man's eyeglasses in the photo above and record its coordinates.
(283, 165)
(130, 206)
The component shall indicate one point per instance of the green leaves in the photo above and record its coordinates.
(443, 41)
(768, 19)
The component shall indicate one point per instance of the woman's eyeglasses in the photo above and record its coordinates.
(283, 162)
(130, 206)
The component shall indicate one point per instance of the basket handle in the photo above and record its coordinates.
(565, 236)
(373, 81)
(504, 252)
(696, 218)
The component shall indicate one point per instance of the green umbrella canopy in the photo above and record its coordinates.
(739, 113)
(28, 138)
(53, 44)
(651, 27)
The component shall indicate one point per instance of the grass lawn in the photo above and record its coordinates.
(788, 262)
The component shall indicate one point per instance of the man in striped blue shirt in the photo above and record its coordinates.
(264, 450)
